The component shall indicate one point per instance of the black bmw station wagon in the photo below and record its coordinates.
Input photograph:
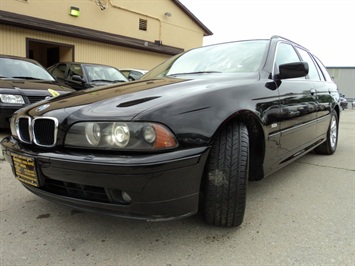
(187, 137)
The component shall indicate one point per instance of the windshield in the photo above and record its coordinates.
(15, 68)
(103, 73)
(235, 57)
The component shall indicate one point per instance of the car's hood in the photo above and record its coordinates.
(127, 100)
(31, 85)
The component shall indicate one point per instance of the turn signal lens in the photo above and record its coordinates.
(164, 138)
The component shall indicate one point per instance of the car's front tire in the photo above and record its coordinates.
(226, 183)
(330, 145)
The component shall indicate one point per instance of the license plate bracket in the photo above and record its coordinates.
(25, 169)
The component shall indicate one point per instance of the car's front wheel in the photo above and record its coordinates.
(330, 145)
(226, 183)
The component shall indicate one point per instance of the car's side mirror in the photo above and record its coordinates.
(77, 78)
(293, 70)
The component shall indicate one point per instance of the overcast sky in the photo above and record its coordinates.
(325, 27)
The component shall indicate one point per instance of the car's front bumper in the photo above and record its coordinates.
(161, 186)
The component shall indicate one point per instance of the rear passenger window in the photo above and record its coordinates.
(312, 73)
(324, 70)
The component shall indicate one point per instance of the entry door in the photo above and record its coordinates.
(49, 53)
(52, 56)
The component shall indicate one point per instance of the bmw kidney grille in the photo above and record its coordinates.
(41, 130)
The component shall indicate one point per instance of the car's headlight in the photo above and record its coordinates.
(11, 98)
(127, 136)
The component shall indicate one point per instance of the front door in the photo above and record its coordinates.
(298, 106)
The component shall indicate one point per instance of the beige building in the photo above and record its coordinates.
(134, 33)
(344, 77)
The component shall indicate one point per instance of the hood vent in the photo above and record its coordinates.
(136, 102)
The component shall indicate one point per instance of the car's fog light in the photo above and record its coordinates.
(93, 133)
(120, 134)
(126, 197)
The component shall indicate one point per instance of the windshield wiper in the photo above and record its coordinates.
(109, 81)
(193, 73)
(19, 77)
(103, 80)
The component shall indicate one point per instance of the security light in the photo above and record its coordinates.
(74, 11)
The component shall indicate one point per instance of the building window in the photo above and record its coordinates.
(143, 24)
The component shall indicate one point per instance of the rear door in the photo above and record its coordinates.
(328, 96)
(322, 92)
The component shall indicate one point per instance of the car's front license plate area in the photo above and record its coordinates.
(25, 169)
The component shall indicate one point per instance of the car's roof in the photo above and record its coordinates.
(276, 38)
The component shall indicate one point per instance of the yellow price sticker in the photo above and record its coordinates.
(53, 92)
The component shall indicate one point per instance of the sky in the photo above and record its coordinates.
(325, 27)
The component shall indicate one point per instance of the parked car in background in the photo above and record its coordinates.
(24, 81)
(81, 76)
(186, 137)
(132, 73)
(343, 102)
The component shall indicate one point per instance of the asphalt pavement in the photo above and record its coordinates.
(302, 215)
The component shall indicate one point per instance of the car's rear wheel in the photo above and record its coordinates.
(226, 183)
(330, 145)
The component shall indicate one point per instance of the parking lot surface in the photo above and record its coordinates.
(303, 214)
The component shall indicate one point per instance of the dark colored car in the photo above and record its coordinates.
(186, 137)
(343, 102)
(81, 76)
(23, 81)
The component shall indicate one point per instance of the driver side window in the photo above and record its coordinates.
(75, 70)
(285, 54)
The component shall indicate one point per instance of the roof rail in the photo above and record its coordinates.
(283, 38)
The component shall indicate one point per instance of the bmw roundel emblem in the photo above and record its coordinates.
(42, 107)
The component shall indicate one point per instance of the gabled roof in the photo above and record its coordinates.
(193, 17)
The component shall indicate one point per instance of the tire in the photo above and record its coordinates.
(227, 177)
(330, 145)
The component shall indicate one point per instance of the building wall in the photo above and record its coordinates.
(118, 17)
(84, 51)
(344, 77)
